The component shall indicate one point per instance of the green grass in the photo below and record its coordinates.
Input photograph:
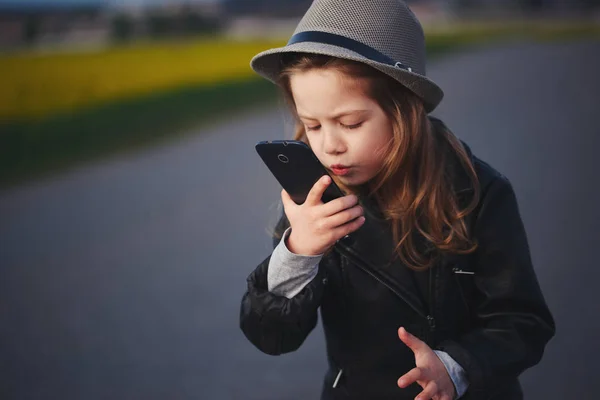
(35, 148)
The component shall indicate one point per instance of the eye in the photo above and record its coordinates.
(352, 126)
(313, 128)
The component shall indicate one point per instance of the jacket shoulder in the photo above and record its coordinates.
(486, 173)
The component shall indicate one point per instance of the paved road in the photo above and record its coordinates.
(122, 280)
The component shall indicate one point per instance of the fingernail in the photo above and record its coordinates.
(401, 382)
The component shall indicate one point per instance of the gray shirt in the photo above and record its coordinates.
(289, 273)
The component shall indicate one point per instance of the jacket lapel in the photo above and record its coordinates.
(371, 247)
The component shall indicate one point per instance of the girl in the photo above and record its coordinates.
(422, 271)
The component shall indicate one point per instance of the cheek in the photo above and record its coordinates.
(384, 141)
(311, 142)
(377, 152)
(315, 147)
(377, 145)
(381, 151)
(376, 161)
(312, 139)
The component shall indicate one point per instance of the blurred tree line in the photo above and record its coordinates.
(122, 26)
(534, 5)
(158, 24)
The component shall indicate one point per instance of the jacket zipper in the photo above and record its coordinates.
(337, 378)
(430, 318)
(344, 285)
(457, 271)
(359, 263)
(460, 271)
(345, 303)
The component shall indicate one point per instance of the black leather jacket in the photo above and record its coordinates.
(485, 310)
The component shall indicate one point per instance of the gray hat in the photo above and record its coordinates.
(384, 34)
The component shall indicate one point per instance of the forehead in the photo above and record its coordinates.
(321, 93)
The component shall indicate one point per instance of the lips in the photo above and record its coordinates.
(339, 169)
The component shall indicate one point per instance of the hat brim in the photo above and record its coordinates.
(268, 65)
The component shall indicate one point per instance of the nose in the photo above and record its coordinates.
(333, 143)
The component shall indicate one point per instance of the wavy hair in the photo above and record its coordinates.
(414, 187)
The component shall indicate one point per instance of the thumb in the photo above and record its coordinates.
(413, 342)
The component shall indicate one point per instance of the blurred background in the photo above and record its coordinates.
(133, 205)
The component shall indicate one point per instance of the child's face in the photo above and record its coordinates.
(357, 139)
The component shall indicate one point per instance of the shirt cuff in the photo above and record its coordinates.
(456, 372)
(289, 273)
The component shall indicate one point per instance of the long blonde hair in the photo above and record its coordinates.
(413, 190)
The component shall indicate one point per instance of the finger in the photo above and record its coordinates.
(410, 377)
(316, 192)
(348, 228)
(413, 342)
(344, 217)
(335, 206)
(445, 397)
(429, 391)
(287, 200)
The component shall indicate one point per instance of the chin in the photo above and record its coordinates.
(351, 181)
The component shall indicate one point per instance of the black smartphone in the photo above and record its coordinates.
(296, 168)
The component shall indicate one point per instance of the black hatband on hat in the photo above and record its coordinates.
(347, 43)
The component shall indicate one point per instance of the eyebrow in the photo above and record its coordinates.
(342, 114)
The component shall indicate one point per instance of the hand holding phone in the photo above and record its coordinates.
(316, 226)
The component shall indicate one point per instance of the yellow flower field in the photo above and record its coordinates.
(36, 85)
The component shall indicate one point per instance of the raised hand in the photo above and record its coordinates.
(430, 373)
(317, 226)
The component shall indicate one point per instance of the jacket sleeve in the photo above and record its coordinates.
(273, 323)
(512, 321)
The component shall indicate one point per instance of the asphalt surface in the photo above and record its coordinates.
(122, 279)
